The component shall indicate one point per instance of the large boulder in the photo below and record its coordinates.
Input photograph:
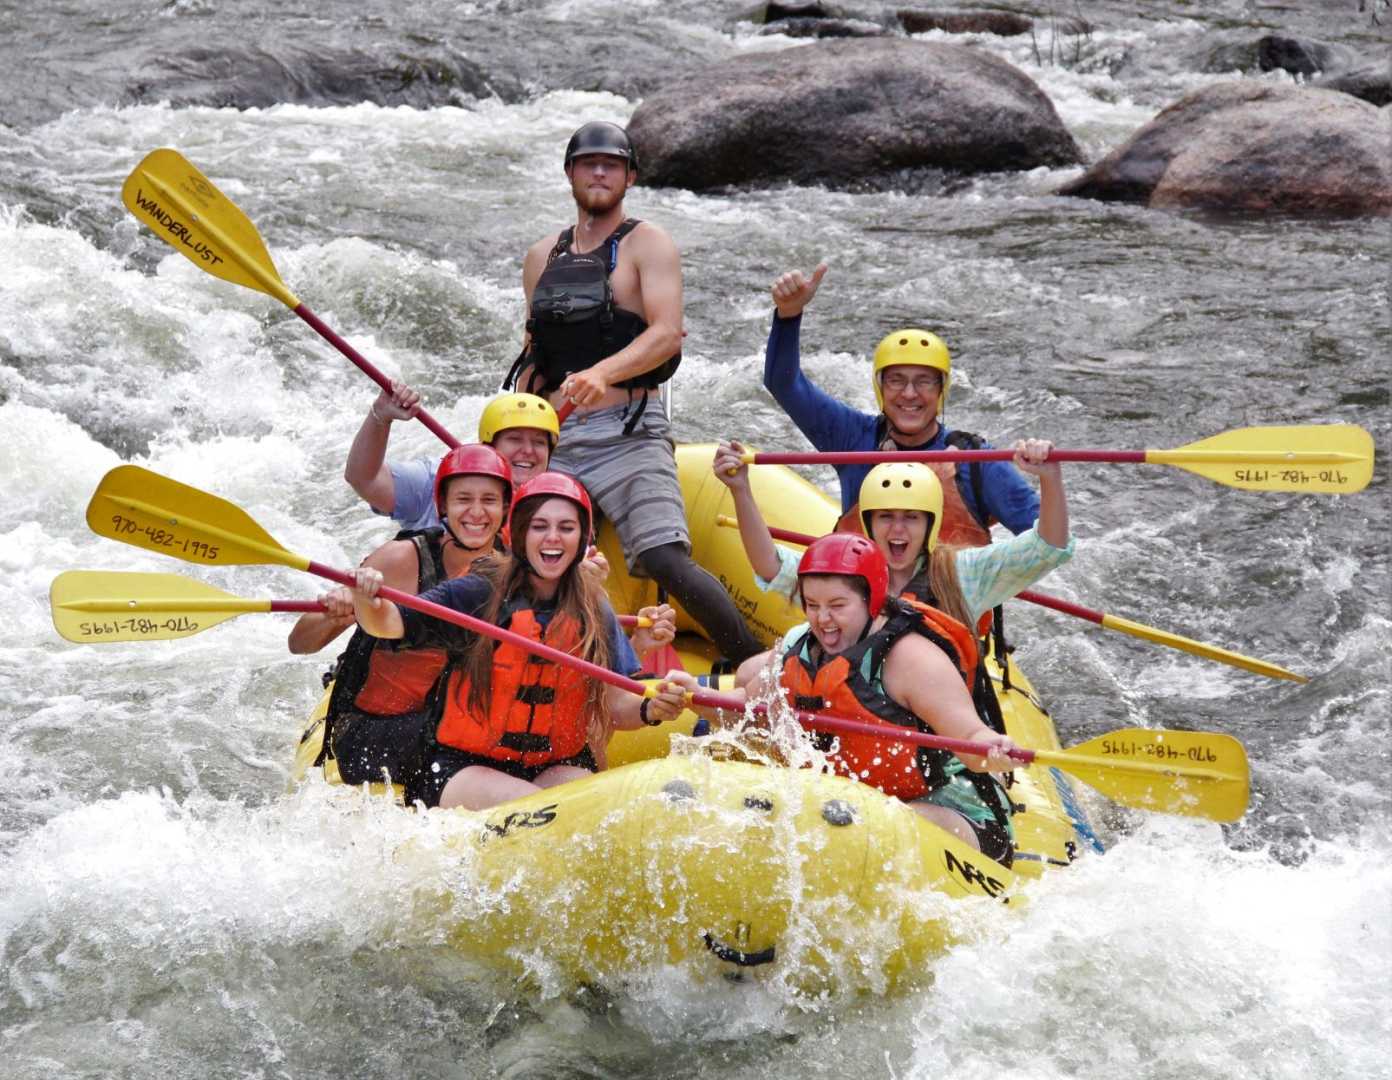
(1253, 147)
(843, 112)
(966, 21)
(1372, 83)
(1299, 56)
(824, 28)
(1330, 66)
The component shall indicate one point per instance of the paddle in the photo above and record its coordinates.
(105, 606)
(1193, 773)
(187, 211)
(101, 606)
(1311, 457)
(155, 513)
(1110, 622)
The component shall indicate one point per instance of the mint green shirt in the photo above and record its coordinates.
(989, 575)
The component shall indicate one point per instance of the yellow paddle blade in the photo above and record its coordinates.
(1198, 648)
(189, 213)
(1195, 773)
(1334, 458)
(102, 606)
(146, 510)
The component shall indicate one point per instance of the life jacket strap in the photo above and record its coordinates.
(534, 694)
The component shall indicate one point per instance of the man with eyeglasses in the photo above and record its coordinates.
(911, 376)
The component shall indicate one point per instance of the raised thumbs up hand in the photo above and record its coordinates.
(793, 291)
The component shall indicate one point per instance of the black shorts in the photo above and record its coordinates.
(993, 840)
(445, 761)
(373, 749)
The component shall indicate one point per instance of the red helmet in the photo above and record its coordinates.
(852, 555)
(475, 459)
(557, 485)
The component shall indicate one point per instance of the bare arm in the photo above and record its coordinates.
(366, 471)
(919, 676)
(399, 565)
(533, 263)
(315, 629)
(1052, 525)
(378, 617)
(625, 709)
(662, 631)
(754, 534)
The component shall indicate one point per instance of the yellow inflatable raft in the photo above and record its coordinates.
(682, 858)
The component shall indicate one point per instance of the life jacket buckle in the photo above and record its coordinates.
(535, 694)
(525, 742)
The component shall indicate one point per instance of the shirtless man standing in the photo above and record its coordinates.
(604, 329)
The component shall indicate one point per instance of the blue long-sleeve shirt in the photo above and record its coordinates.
(832, 425)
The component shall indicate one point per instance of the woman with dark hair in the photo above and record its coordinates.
(507, 722)
(377, 710)
(902, 509)
(870, 656)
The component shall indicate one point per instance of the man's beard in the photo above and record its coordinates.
(597, 201)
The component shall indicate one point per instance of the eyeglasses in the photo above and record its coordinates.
(897, 384)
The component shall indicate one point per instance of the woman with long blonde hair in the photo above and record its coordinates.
(901, 510)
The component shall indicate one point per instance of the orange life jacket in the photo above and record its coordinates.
(537, 710)
(850, 684)
(399, 681)
(372, 676)
(962, 639)
(919, 591)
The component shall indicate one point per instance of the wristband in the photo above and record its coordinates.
(643, 714)
(383, 421)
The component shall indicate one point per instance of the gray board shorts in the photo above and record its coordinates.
(631, 478)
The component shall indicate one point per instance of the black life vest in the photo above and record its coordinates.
(573, 322)
(350, 670)
(954, 440)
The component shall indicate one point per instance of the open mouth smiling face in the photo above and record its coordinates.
(553, 538)
(900, 534)
(474, 509)
(836, 612)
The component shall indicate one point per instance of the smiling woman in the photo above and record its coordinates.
(509, 722)
(155, 868)
(378, 710)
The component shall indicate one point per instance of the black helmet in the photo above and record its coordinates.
(600, 137)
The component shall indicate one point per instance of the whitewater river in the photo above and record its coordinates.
(169, 908)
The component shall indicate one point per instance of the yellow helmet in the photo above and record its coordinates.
(518, 410)
(903, 485)
(919, 347)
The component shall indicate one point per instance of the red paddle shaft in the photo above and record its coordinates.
(370, 370)
(875, 457)
(707, 698)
